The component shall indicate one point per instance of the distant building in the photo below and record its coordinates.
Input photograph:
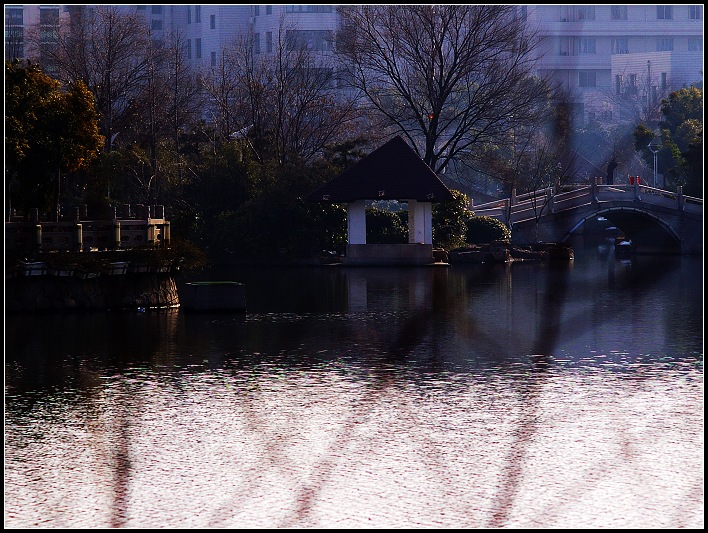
(613, 58)
(616, 61)
(20, 20)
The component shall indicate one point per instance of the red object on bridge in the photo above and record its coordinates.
(632, 178)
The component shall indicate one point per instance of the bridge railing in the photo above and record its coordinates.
(75, 232)
(530, 205)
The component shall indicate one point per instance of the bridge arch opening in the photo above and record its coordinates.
(647, 233)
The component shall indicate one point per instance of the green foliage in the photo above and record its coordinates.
(49, 131)
(692, 167)
(345, 154)
(680, 157)
(484, 229)
(278, 228)
(682, 105)
(642, 137)
(450, 220)
(181, 252)
(386, 227)
(275, 223)
(682, 135)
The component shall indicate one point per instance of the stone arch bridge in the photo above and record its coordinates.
(656, 221)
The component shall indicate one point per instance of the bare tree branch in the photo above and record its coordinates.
(445, 77)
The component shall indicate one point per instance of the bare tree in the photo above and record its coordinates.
(185, 94)
(636, 97)
(225, 95)
(286, 101)
(445, 77)
(109, 51)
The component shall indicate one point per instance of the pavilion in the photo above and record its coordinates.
(394, 171)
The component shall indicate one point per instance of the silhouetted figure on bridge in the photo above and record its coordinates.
(611, 171)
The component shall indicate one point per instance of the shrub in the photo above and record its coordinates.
(386, 227)
(484, 229)
(449, 220)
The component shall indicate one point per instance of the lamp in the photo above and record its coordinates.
(655, 147)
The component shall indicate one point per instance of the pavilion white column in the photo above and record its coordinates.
(420, 222)
(356, 222)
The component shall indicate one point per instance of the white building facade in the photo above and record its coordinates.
(599, 53)
(603, 53)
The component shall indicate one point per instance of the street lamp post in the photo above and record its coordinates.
(655, 147)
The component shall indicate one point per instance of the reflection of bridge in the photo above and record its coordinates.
(656, 221)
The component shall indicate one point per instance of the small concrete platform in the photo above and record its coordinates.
(213, 296)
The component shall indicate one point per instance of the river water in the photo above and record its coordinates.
(508, 396)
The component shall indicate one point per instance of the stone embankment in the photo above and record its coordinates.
(55, 293)
(505, 252)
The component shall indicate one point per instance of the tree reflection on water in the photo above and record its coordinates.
(448, 377)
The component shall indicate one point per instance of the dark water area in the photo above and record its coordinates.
(519, 395)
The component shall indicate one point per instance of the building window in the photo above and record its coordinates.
(142, 8)
(189, 14)
(269, 41)
(695, 12)
(14, 34)
(15, 48)
(587, 45)
(568, 46)
(213, 59)
(157, 10)
(15, 16)
(695, 44)
(197, 13)
(212, 22)
(344, 79)
(269, 10)
(198, 48)
(620, 45)
(618, 12)
(156, 25)
(257, 43)
(619, 81)
(664, 82)
(664, 12)
(308, 9)
(48, 35)
(48, 26)
(49, 17)
(323, 77)
(316, 40)
(256, 10)
(633, 88)
(585, 13)
(587, 78)
(189, 48)
(664, 44)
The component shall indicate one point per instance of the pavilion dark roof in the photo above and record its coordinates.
(391, 172)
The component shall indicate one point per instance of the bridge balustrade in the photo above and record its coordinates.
(76, 233)
(676, 216)
(522, 206)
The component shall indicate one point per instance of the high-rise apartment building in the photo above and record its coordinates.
(208, 30)
(42, 20)
(604, 55)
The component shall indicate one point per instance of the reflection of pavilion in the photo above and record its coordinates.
(413, 289)
(392, 172)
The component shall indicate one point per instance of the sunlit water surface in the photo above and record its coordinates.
(521, 396)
